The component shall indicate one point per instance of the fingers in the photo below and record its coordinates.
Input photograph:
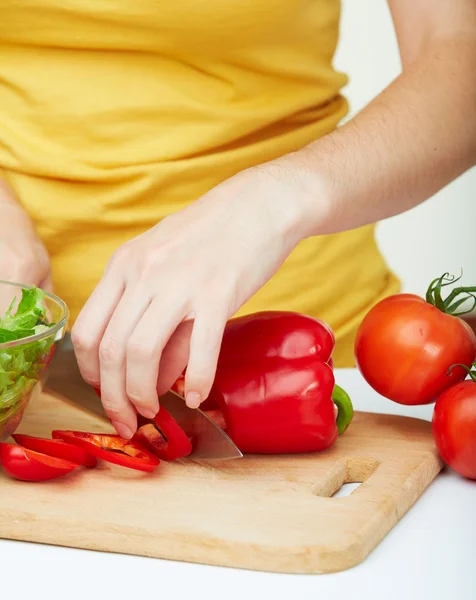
(112, 362)
(144, 350)
(87, 335)
(205, 346)
(91, 324)
(174, 357)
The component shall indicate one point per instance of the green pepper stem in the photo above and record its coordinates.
(345, 410)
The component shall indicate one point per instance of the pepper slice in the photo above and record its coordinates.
(111, 448)
(163, 436)
(56, 448)
(28, 465)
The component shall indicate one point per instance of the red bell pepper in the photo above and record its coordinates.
(163, 436)
(276, 334)
(111, 448)
(27, 465)
(270, 334)
(275, 387)
(56, 448)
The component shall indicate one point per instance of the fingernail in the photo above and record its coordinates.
(123, 430)
(148, 414)
(193, 399)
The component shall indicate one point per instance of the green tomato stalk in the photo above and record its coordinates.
(451, 305)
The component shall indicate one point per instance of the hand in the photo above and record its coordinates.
(166, 295)
(23, 258)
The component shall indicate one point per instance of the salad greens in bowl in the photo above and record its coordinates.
(32, 323)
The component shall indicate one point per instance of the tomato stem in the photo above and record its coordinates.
(470, 371)
(453, 301)
(345, 410)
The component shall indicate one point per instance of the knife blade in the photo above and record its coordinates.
(209, 440)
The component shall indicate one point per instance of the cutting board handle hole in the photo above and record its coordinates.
(346, 489)
(345, 477)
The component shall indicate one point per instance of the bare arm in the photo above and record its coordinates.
(413, 139)
(23, 258)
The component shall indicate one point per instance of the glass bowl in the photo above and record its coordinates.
(41, 321)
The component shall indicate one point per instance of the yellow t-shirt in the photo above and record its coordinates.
(115, 113)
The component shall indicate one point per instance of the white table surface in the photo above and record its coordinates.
(429, 554)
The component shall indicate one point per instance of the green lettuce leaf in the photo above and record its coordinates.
(21, 366)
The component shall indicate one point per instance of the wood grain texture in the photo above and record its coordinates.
(263, 513)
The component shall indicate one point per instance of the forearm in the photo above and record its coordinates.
(412, 140)
(6, 196)
(13, 217)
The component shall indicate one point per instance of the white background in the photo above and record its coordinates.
(435, 237)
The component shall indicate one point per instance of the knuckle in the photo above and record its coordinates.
(17, 267)
(142, 400)
(112, 410)
(154, 260)
(139, 351)
(224, 284)
(136, 396)
(81, 340)
(142, 395)
(110, 351)
(90, 379)
(119, 256)
(220, 294)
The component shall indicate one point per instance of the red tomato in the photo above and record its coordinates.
(405, 346)
(454, 428)
(28, 465)
(56, 448)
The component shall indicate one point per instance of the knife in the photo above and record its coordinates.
(64, 379)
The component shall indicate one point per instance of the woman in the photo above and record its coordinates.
(178, 163)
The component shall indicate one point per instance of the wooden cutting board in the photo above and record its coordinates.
(263, 513)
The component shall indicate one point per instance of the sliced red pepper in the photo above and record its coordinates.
(164, 436)
(179, 386)
(28, 465)
(57, 448)
(111, 448)
(179, 444)
(150, 437)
